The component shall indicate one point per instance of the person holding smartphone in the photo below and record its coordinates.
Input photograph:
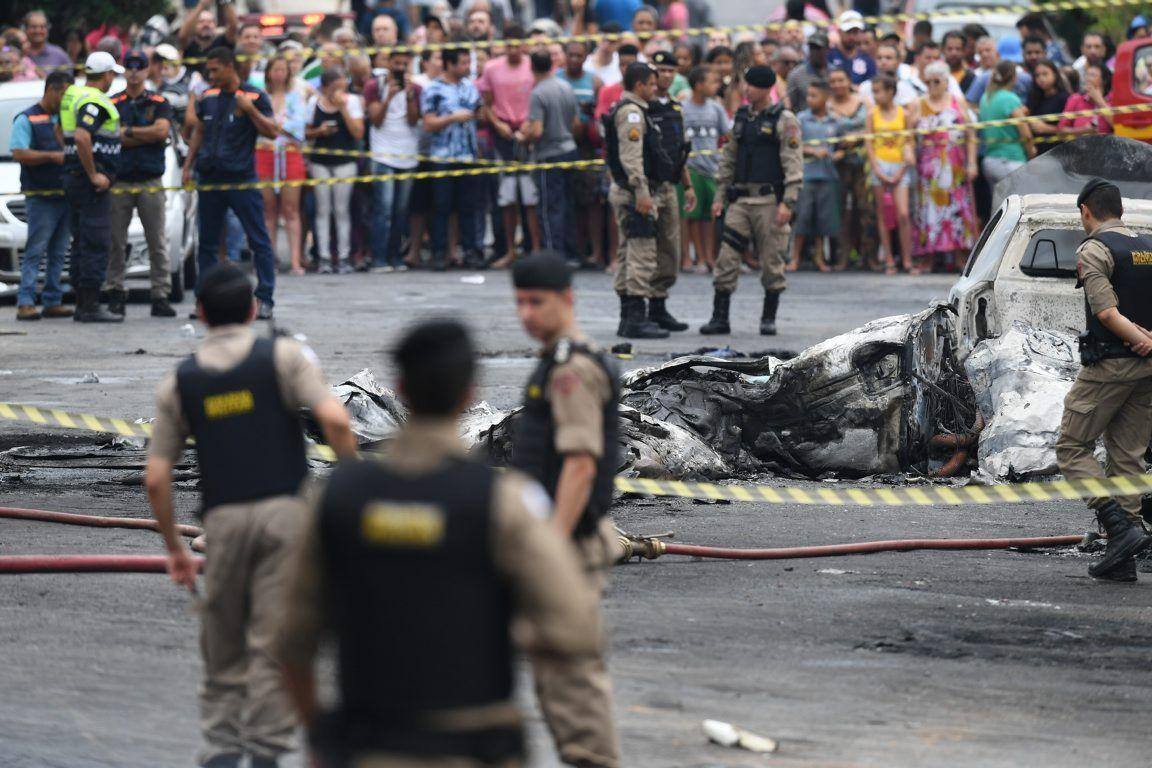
(392, 101)
(335, 128)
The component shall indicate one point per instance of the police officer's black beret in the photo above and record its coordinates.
(663, 59)
(760, 77)
(1092, 186)
(545, 270)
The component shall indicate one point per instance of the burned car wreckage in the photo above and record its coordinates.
(974, 385)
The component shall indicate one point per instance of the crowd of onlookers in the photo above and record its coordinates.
(510, 93)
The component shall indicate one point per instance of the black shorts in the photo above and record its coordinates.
(421, 200)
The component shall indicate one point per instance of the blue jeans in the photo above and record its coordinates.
(555, 186)
(389, 215)
(248, 206)
(458, 195)
(233, 237)
(49, 232)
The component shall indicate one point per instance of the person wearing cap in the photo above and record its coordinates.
(174, 81)
(417, 563)
(815, 68)
(848, 55)
(35, 146)
(565, 437)
(222, 150)
(146, 122)
(1112, 394)
(637, 165)
(90, 127)
(668, 116)
(240, 397)
(757, 186)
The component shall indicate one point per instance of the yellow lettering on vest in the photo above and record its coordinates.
(228, 404)
(1142, 258)
(392, 524)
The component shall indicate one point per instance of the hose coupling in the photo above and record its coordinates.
(642, 548)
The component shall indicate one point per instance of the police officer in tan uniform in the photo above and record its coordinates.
(665, 113)
(416, 564)
(637, 164)
(566, 438)
(757, 187)
(240, 397)
(1112, 395)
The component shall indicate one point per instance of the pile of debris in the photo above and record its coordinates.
(889, 397)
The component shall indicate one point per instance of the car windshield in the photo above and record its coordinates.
(9, 108)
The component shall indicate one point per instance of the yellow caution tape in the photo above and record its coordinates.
(907, 495)
(676, 34)
(504, 167)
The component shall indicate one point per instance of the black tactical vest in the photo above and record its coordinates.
(668, 120)
(420, 612)
(1132, 281)
(45, 175)
(612, 146)
(534, 446)
(758, 148)
(248, 445)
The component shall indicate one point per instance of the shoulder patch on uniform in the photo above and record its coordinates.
(92, 109)
(634, 117)
(794, 142)
(563, 351)
(634, 134)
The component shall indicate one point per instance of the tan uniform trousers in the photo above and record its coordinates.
(753, 219)
(150, 206)
(243, 707)
(1121, 412)
(576, 697)
(640, 267)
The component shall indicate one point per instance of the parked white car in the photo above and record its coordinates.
(1023, 268)
(180, 208)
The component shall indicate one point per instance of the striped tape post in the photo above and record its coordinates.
(907, 495)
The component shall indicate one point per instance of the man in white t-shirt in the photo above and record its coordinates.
(393, 104)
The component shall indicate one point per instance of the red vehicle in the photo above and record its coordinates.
(277, 26)
(1132, 84)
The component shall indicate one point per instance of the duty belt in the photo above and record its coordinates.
(735, 193)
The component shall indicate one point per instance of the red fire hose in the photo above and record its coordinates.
(648, 548)
(651, 549)
(84, 563)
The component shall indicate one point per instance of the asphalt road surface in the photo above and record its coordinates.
(918, 659)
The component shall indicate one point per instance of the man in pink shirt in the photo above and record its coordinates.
(506, 86)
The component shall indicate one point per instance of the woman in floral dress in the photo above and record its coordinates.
(946, 165)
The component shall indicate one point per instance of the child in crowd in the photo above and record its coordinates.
(818, 210)
(705, 122)
(891, 161)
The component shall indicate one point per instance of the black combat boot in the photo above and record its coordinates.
(1125, 540)
(88, 309)
(116, 302)
(768, 316)
(719, 322)
(1125, 572)
(634, 324)
(161, 308)
(658, 313)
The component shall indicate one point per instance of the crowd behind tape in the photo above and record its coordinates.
(906, 495)
(490, 167)
(892, 18)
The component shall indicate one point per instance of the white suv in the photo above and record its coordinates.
(1023, 268)
(180, 208)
